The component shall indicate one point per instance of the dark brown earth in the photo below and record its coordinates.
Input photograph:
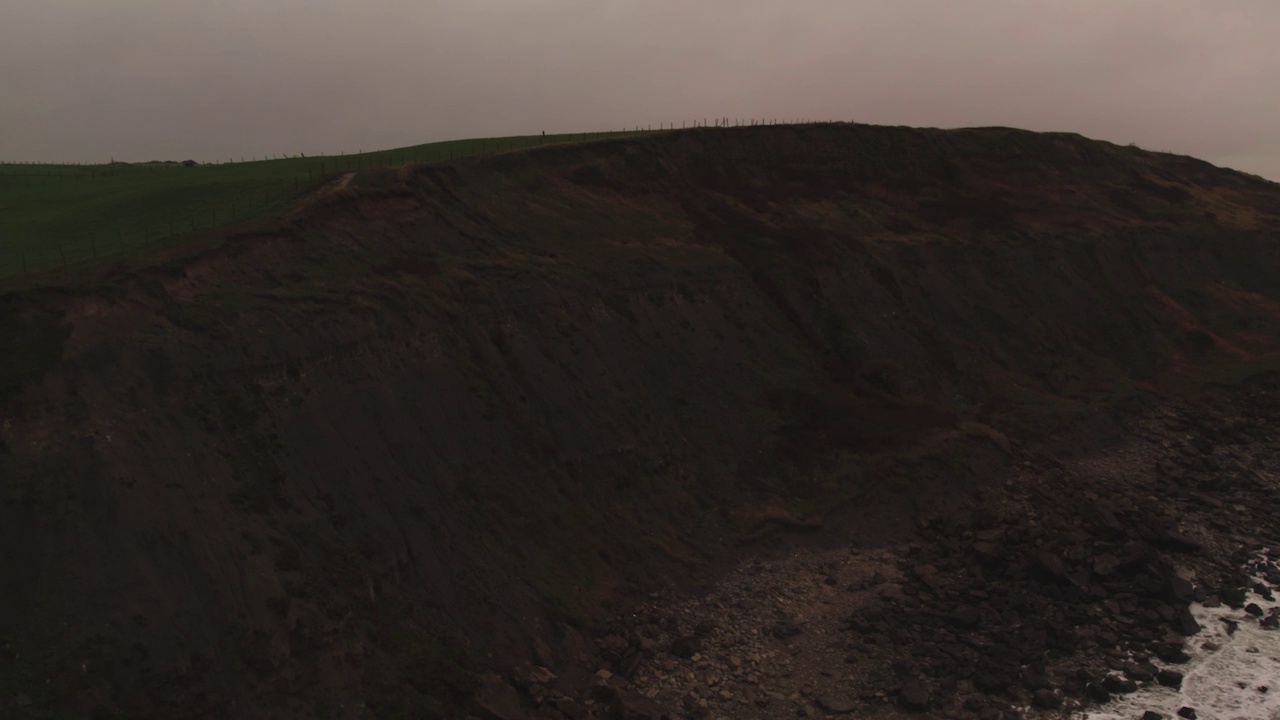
(455, 419)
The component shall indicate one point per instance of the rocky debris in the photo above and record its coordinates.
(1064, 590)
(1152, 715)
(1188, 713)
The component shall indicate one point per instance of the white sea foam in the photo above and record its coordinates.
(1239, 680)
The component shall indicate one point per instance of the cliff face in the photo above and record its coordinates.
(440, 414)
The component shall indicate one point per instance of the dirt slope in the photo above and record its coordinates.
(436, 417)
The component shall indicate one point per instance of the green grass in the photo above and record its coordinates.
(54, 217)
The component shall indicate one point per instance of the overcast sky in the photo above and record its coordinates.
(84, 80)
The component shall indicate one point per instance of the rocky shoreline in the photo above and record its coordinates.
(1235, 661)
(1063, 586)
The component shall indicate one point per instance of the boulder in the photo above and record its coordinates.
(1046, 700)
(1185, 623)
(1053, 565)
(1171, 653)
(837, 704)
(494, 699)
(929, 576)
(1034, 678)
(993, 680)
(629, 664)
(1142, 672)
(1234, 597)
(1119, 684)
(1182, 589)
(1169, 678)
(686, 647)
(537, 675)
(786, 630)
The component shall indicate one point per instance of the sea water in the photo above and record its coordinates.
(1230, 676)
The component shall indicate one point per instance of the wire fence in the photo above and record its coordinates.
(117, 209)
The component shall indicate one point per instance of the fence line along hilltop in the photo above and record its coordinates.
(61, 215)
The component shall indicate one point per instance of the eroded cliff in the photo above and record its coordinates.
(425, 422)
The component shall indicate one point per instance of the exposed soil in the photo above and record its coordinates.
(336, 185)
(459, 416)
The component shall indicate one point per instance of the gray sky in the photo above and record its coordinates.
(83, 80)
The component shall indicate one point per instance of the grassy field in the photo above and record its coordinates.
(62, 216)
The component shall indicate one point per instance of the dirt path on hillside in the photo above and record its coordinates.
(1070, 584)
(336, 185)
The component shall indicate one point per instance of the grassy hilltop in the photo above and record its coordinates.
(58, 216)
